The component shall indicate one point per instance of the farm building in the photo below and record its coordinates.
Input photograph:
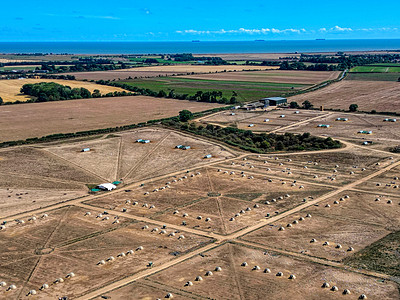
(342, 119)
(85, 150)
(107, 186)
(251, 125)
(365, 131)
(274, 101)
(323, 125)
(208, 156)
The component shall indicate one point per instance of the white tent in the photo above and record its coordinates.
(107, 186)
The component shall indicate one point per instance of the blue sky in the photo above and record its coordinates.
(122, 20)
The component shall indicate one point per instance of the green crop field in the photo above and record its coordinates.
(376, 69)
(9, 68)
(373, 76)
(246, 91)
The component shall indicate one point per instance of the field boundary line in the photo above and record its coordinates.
(143, 158)
(74, 164)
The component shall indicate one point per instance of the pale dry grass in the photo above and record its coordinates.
(10, 89)
(23, 121)
(368, 95)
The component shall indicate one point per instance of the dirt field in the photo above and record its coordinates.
(156, 71)
(381, 130)
(10, 89)
(75, 243)
(278, 76)
(39, 119)
(211, 194)
(121, 158)
(242, 119)
(237, 282)
(192, 215)
(368, 95)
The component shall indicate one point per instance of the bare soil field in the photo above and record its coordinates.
(362, 206)
(10, 89)
(327, 231)
(76, 243)
(192, 215)
(331, 169)
(39, 119)
(210, 194)
(388, 182)
(35, 163)
(368, 95)
(156, 71)
(237, 282)
(276, 76)
(120, 157)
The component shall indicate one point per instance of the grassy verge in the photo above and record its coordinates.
(382, 256)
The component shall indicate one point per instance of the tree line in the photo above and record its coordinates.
(250, 141)
(347, 62)
(51, 91)
(199, 96)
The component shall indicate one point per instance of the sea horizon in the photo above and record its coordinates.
(199, 47)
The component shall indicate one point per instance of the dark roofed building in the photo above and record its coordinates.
(274, 101)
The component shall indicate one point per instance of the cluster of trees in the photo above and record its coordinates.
(263, 63)
(347, 62)
(208, 60)
(51, 91)
(247, 140)
(200, 96)
(82, 67)
(317, 67)
(308, 105)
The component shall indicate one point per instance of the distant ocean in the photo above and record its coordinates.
(198, 47)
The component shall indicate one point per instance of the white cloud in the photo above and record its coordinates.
(298, 31)
(243, 31)
(340, 29)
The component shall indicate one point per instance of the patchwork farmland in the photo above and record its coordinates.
(205, 222)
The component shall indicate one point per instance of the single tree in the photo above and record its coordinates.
(307, 104)
(185, 115)
(1, 101)
(353, 107)
(294, 104)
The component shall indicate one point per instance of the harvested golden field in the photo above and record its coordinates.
(38, 119)
(156, 71)
(369, 95)
(10, 89)
(276, 76)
